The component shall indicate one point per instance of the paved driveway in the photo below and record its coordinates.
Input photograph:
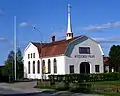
(27, 89)
(21, 86)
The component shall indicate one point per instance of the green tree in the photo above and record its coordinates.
(114, 56)
(19, 67)
(9, 69)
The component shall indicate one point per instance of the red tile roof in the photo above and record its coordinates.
(53, 48)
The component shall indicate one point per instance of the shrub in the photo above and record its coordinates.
(62, 88)
(73, 78)
(83, 88)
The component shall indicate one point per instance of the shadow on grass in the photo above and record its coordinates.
(43, 93)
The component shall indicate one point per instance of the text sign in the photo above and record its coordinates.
(84, 56)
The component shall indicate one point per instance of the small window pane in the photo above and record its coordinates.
(29, 67)
(71, 68)
(49, 66)
(43, 66)
(33, 55)
(33, 67)
(97, 68)
(38, 66)
(55, 66)
(28, 56)
(84, 50)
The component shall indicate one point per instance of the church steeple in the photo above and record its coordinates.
(69, 33)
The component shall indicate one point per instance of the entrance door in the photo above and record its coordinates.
(84, 68)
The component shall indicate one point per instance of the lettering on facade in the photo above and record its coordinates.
(84, 56)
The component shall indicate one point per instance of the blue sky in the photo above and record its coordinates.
(99, 19)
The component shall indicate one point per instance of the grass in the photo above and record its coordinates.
(106, 88)
(105, 83)
(45, 87)
(107, 93)
(101, 86)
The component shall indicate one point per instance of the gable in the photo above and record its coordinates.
(76, 42)
(31, 47)
(72, 45)
(27, 47)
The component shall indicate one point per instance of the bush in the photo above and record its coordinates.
(73, 78)
(62, 88)
(83, 88)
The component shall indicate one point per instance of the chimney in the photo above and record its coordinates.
(53, 38)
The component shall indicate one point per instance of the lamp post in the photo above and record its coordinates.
(42, 73)
(15, 46)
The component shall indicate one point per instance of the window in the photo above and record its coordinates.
(71, 68)
(49, 66)
(33, 67)
(97, 68)
(43, 66)
(55, 66)
(84, 50)
(33, 55)
(29, 67)
(38, 66)
(28, 56)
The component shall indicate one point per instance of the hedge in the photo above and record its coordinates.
(73, 78)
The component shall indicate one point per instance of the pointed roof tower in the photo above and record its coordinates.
(69, 33)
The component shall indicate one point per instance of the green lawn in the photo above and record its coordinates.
(105, 83)
(106, 88)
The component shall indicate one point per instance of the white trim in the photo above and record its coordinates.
(101, 49)
(27, 46)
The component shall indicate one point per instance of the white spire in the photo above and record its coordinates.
(69, 34)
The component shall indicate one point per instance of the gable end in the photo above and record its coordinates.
(73, 43)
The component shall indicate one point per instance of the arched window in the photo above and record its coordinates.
(55, 65)
(43, 66)
(33, 67)
(38, 66)
(29, 67)
(49, 66)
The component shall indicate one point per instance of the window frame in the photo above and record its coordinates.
(55, 65)
(84, 50)
(71, 71)
(33, 55)
(49, 66)
(28, 56)
(38, 66)
(33, 67)
(43, 66)
(97, 68)
(28, 67)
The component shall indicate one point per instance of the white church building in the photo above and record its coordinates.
(79, 54)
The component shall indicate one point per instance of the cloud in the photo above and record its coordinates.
(2, 39)
(102, 27)
(23, 24)
(108, 40)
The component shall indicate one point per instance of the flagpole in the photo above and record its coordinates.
(15, 46)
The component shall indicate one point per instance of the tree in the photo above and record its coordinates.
(19, 67)
(114, 56)
(9, 69)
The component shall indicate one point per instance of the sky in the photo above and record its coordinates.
(98, 19)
